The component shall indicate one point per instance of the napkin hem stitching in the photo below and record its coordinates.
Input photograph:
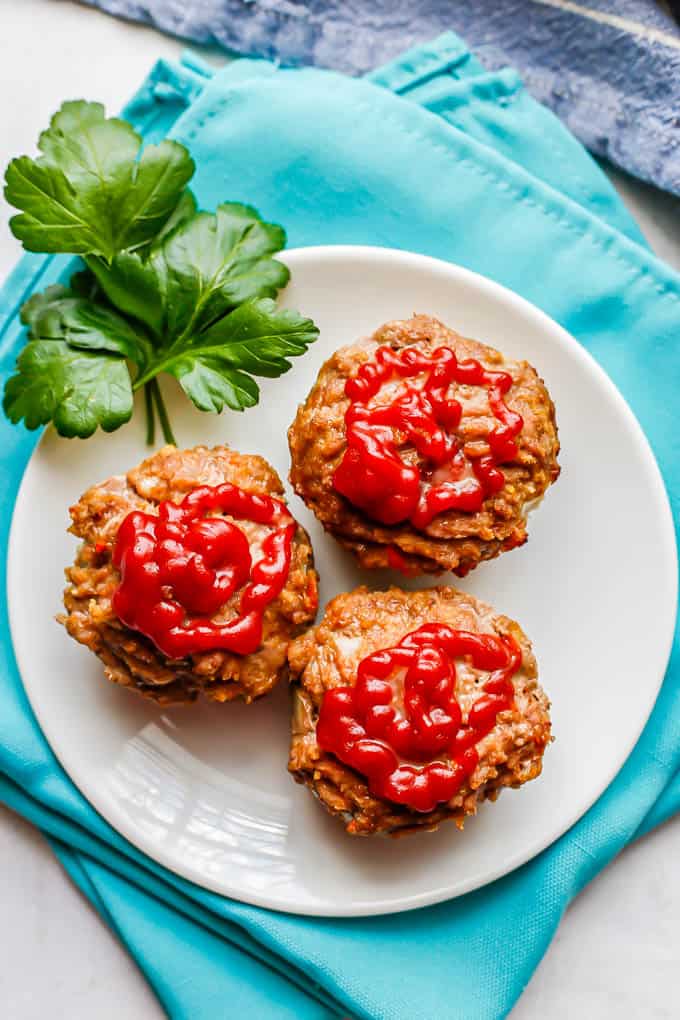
(643, 273)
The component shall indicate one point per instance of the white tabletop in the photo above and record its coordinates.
(616, 951)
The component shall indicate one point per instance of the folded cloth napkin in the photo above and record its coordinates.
(609, 68)
(437, 156)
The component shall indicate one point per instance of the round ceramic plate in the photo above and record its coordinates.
(204, 790)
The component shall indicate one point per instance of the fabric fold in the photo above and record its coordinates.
(608, 68)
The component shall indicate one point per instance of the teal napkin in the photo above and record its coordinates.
(434, 155)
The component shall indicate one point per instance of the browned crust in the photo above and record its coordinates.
(327, 656)
(453, 541)
(129, 658)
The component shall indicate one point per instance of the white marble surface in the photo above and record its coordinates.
(616, 954)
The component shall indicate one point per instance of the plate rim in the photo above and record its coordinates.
(382, 906)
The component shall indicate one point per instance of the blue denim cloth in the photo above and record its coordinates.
(489, 179)
(609, 68)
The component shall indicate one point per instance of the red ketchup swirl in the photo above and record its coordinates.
(179, 568)
(361, 727)
(372, 474)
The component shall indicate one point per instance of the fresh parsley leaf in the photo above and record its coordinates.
(83, 284)
(212, 386)
(132, 284)
(73, 370)
(37, 303)
(57, 314)
(214, 263)
(90, 192)
(214, 367)
(184, 210)
(203, 269)
(164, 289)
(78, 390)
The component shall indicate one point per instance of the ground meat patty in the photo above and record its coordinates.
(130, 658)
(362, 622)
(454, 540)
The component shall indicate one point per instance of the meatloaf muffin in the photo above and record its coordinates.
(424, 451)
(192, 577)
(414, 707)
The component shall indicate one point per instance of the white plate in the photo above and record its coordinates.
(204, 790)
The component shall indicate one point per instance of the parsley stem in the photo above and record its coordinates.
(162, 412)
(150, 416)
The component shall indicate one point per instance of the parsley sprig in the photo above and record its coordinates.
(164, 288)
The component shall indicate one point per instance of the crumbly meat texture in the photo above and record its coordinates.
(129, 658)
(454, 540)
(361, 622)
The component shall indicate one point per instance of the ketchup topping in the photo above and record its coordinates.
(361, 727)
(373, 476)
(179, 568)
